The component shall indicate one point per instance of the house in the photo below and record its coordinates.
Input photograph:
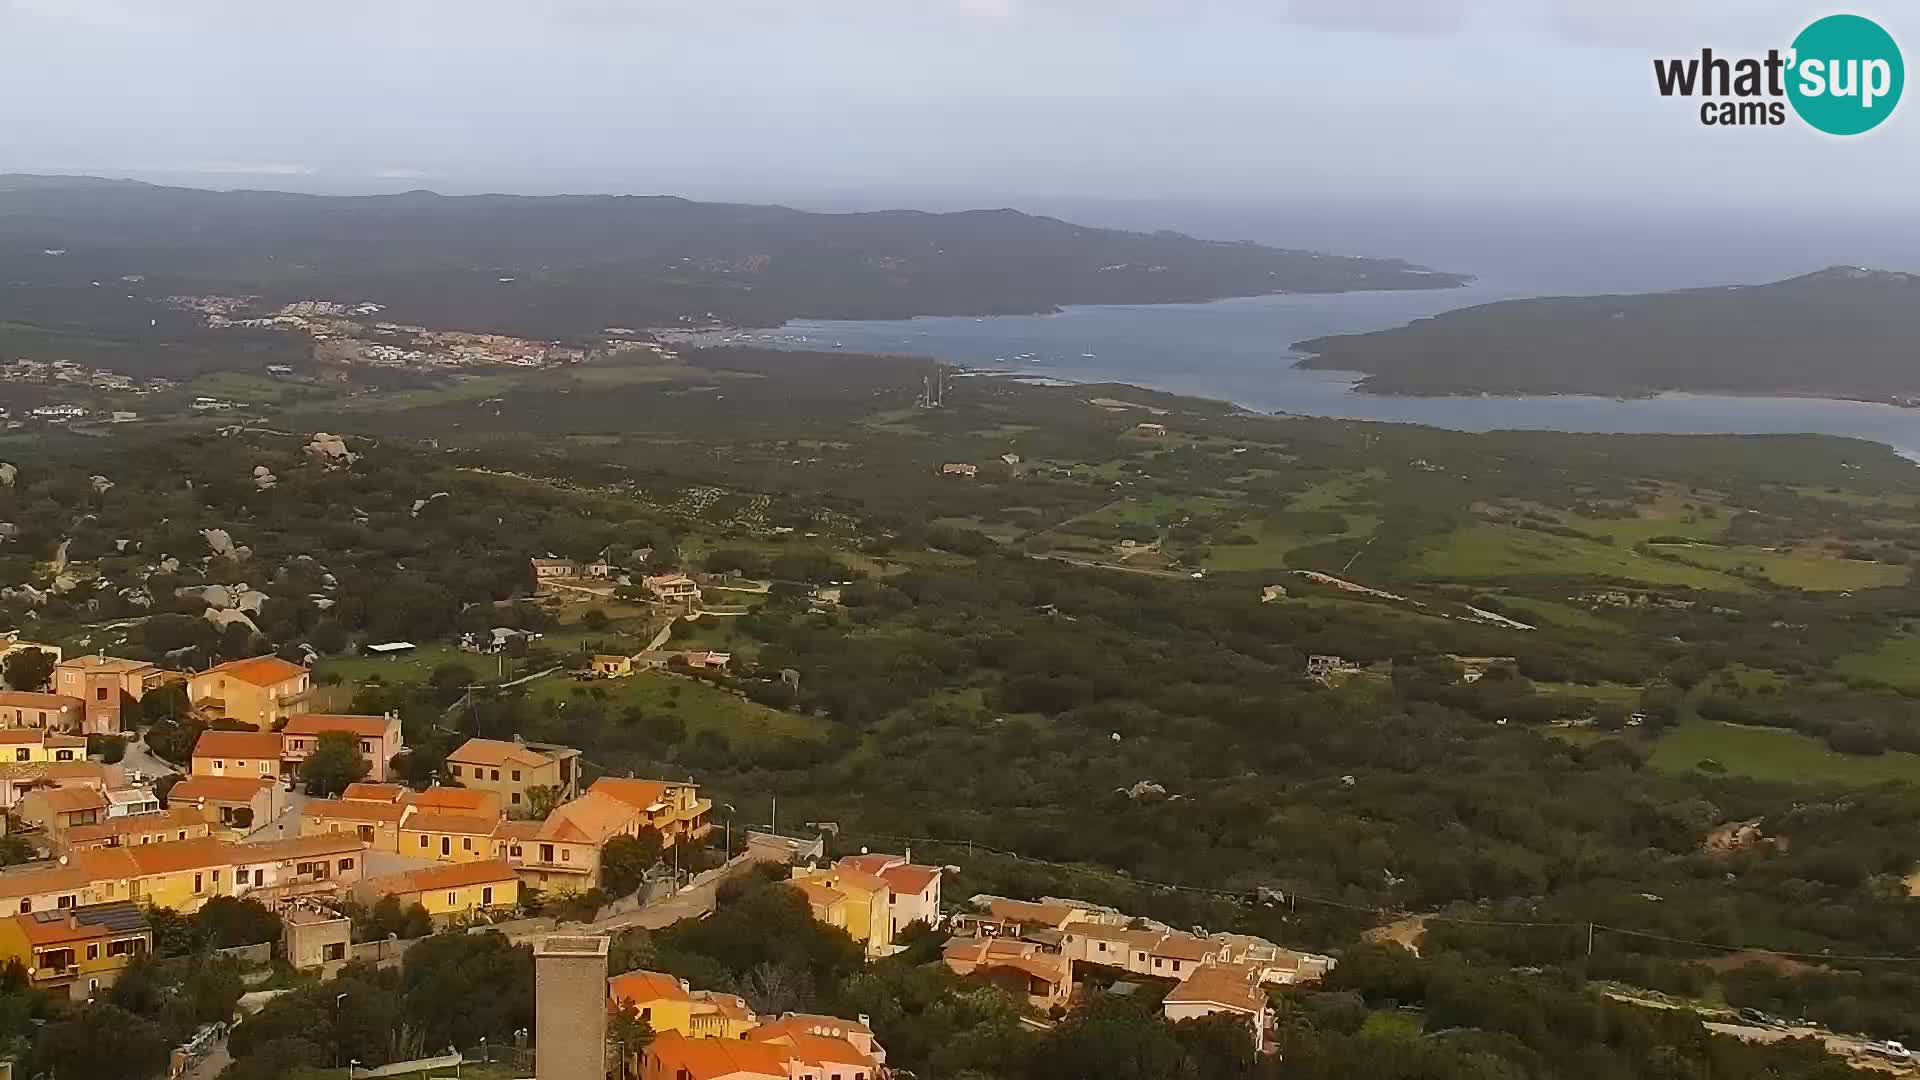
(371, 792)
(240, 802)
(826, 904)
(251, 754)
(1029, 915)
(261, 691)
(85, 879)
(181, 823)
(1039, 976)
(27, 746)
(1150, 430)
(298, 866)
(129, 801)
(1219, 988)
(1276, 966)
(376, 824)
(785, 1057)
(673, 589)
(378, 737)
(106, 683)
(913, 890)
(61, 809)
(177, 874)
(509, 769)
(449, 890)
(669, 1005)
(674, 810)
(956, 468)
(76, 952)
(864, 905)
(563, 851)
(56, 712)
(17, 779)
(550, 568)
(855, 1032)
(315, 939)
(1324, 668)
(1010, 459)
(610, 666)
(447, 837)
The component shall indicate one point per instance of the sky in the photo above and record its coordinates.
(938, 103)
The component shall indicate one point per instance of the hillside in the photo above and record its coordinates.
(1841, 332)
(559, 265)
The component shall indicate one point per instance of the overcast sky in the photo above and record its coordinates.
(893, 101)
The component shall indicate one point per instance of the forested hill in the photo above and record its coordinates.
(1841, 332)
(570, 264)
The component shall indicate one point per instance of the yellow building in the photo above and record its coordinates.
(76, 952)
(668, 1005)
(563, 852)
(261, 691)
(825, 903)
(449, 890)
(449, 800)
(377, 824)
(447, 837)
(509, 769)
(133, 830)
(866, 905)
(674, 810)
(378, 738)
(611, 666)
(47, 886)
(181, 874)
(237, 753)
(34, 745)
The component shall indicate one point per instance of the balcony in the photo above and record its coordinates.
(298, 697)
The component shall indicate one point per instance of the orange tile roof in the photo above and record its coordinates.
(99, 662)
(36, 880)
(1026, 911)
(178, 819)
(27, 700)
(463, 824)
(854, 879)
(218, 788)
(910, 880)
(367, 727)
(593, 818)
(1185, 947)
(821, 1050)
(518, 830)
(641, 987)
(237, 744)
(452, 798)
(817, 892)
(445, 876)
(355, 810)
(67, 800)
(494, 753)
(711, 1059)
(75, 770)
(1228, 987)
(639, 794)
(177, 855)
(832, 1027)
(869, 864)
(259, 670)
(375, 792)
(21, 736)
(297, 847)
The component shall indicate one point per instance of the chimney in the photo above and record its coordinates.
(570, 1008)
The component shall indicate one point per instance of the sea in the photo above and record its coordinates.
(1240, 350)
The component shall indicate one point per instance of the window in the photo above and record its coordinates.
(455, 768)
(26, 905)
(197, 883)
(566, 854)
(546, 852)
(93, 951)
(496, 774)
(334, 950)
(466, 843)
(366, 747)
(1176, 965)
(516, 798)
(346, 864)
(65, 901)
(183, 836)
(486, 896)
(1157, 962)
(453, 899)
(63, 755)
(423, 839)
(259, 878)
(100, 693)
(20, 754)
(514, 851)
(516, 776)
(216, 878)
(219, 765)
(446, 845)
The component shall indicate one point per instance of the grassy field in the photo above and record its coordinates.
(1776, 754)
(1895, 662)
(1801, 568)
(1496, 551)
(1556, 614)
(702, 707)
(1672, 514)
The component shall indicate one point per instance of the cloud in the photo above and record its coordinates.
(1680, 24)
(248, 168)
(401, 174)
(1401, 18)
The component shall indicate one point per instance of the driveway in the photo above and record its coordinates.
(287, 824)
(149, 765)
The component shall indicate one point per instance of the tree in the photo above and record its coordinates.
(101, 1040)
(541, 801)
(336, 761)
(28, 669)
(387, 917)
(15, 850)
(167, 702)
(229, 921)
(624, 862)
(461, 987)
(629, 1030)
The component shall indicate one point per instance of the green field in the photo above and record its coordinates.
(1895, 662)
(1497, 551)
(1668, 515)
(1802, 568)
(702, 707)
(1556, 614)
(1776, 754)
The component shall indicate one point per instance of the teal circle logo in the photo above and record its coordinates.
(1846, 75)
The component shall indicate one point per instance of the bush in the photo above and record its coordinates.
(108, 748)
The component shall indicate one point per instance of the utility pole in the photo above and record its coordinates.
(773, 824)
(1589, 940)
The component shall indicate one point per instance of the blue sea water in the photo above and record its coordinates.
(1240, 351)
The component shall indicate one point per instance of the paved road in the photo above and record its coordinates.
(143, 759)
(288, 823)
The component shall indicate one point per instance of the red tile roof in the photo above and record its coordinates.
(248, 745)
(645, 986)
(258, 670)
(367, 727)
(446, 876)
(218, 788)
(910, 880)
(25, 700)
(355, 810)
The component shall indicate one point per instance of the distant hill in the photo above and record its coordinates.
(573, 264)
(1841, 332)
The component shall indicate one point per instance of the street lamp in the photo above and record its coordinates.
(337, 999)
(728, 807)
(352, 1065)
